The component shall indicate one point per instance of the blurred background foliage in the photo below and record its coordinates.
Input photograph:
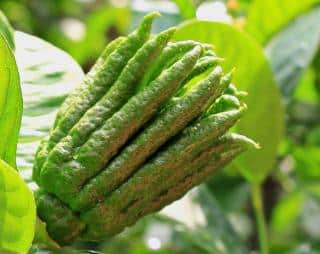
(275, 47)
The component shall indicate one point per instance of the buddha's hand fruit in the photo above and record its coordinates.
(147, 124)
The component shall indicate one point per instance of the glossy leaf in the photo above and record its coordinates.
(47, 75)
(292, 50)
(186, 7)
(10, 104)
(6, 30)
(267, 17)
(218, 225)
(17, 212)
(264, 119)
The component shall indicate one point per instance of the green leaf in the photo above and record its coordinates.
(10, 104)
(6, 30)
(186, 7)
(307, 167)
(267, 17)
(305, 90)
(42, 237)
(286, 213)
(292, 50)
(232, 192)
(101, 25)
(47, 75)
(218, 224)
(310, 218)
(200, 239)
(17, 211)
(305, 249)
(264, 120)
(313, 138)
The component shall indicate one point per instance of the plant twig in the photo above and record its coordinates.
(260, 218)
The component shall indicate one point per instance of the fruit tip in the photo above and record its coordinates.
(242, 94)
(152, 15)
(257, 146)
(198, 49)
(252, 144)
(232, 71)
(171, 30)
(243, 108)
(244, 141)
(208, 46)
(147, 20)
(220, 59)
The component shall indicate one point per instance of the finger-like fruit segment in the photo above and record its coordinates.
(164, 126)
(94, 88)
(147, 124)
(182, 179)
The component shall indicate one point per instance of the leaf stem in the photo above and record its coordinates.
(260, 218)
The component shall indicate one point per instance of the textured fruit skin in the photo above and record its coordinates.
(82, 133)
(95, 87)
(98, 150)
(62, 224)
(222, 152)
(147, 124)
(164, 126)
(193, 140)
(96, 68)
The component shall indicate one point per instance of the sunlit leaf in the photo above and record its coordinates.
(17, 212)
(10, 104)
(267, 17)
(47, 75)
(305, 89)
(307, 167)
(292, 50)
(6, 30)
(264, 120)
(186, 7)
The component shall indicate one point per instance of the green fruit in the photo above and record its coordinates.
(72, 97)
(164, 126)
(96, 68)
(95, 88)
(147, 124)
(194, 139)
(122, 90)
(182, 179)
(62, 224)
(105, 142)
(171, 54)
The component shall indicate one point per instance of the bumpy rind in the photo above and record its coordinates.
(147, 124)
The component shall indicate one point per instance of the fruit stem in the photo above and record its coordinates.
(260, 218)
